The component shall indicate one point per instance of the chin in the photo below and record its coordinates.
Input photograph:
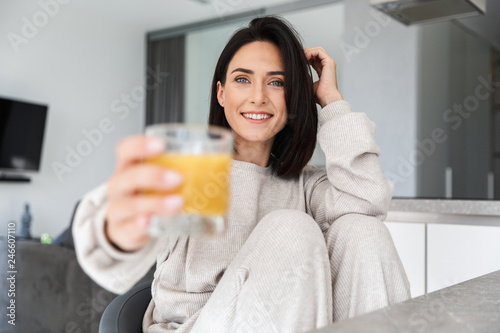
(255, 138)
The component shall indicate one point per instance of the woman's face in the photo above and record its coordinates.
(253, 96)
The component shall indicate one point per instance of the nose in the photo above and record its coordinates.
(258, 94)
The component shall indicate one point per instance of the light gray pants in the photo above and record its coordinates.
(290, 277)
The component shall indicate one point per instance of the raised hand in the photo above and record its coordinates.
(325, 89)
(129, 209)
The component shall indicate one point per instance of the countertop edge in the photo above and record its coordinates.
(444, 206)
(472, 304)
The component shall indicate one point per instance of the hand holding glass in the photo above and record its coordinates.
(202, 155)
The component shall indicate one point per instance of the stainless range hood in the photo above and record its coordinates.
(420, 11)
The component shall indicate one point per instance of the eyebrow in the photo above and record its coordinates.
(249, 71)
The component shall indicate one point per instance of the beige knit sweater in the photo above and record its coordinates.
(188, 269)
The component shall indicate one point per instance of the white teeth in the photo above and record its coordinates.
(256, 116)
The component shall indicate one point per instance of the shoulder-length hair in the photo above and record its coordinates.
(294, 145)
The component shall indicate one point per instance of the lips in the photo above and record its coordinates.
(257, 116)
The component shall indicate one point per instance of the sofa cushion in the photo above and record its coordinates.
(52, 292)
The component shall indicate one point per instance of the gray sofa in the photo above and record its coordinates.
(52, 293)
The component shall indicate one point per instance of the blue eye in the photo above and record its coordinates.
(241, 80)
(277, 83)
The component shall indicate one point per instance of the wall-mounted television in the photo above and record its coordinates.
(22, 128)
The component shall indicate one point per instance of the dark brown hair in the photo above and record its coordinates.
(294, 145)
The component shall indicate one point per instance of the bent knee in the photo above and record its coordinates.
(293, 224)
(290, 219)
(359, 230)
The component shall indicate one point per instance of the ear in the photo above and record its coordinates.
(220, 93)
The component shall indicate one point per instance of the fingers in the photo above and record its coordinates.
(129, 209)
(127, 219)
(317, 52)
(323, 64)
(143, 207)
(134, 149)
(319, 58)
(314, 60)
(316, 64)
(142, 177)
(326, 88)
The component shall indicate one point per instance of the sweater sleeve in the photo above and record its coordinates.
(353, 181)
(112, 269)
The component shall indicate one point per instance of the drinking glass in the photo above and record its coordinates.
(203, 155)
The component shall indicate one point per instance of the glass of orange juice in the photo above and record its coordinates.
(203, 155)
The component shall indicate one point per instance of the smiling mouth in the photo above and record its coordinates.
(257, 116)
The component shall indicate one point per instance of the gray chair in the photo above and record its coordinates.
(124, 314)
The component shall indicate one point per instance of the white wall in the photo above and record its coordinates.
(203, 48)
(80, 65)
(434, 88)
(380, 79)
(451, 61)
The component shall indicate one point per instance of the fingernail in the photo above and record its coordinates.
(173, 202)
(155, 145)
(172, 178)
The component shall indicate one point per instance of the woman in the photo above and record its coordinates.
(304, 246)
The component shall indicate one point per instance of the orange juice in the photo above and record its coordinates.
(206, 181)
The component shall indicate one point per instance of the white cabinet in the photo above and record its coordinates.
(409, 239)
(457, 253)
(440, 250)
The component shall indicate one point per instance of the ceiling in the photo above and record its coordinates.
(151, 15)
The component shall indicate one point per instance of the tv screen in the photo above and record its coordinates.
(22, 127)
